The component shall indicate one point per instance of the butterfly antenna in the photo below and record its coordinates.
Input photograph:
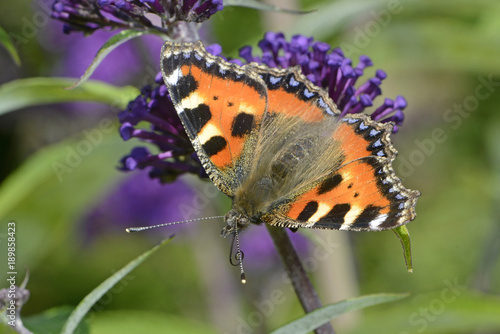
(138, 229)
(238, 256)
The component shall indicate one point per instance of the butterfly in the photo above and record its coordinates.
(278, 147)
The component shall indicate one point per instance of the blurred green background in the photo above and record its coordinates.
(442, 55)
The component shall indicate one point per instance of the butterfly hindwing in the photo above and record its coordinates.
(363, 193)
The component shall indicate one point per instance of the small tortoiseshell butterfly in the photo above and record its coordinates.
(277, 146)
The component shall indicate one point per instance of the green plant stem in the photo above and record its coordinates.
(302, 285)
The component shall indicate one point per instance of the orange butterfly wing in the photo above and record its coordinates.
(220, 104)
(276, 144)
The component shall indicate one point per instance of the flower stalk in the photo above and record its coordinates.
(307, 295)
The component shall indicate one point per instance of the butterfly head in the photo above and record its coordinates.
(234, 221)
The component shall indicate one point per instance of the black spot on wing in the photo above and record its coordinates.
(335, 216)
(198, 116)
(170, 64)
(330, 183)
(185, 86)
(373, 136)
(214, 145)
(242, 124)
(290, 83)
(309, 210)
(369, 213)
(272, 81)
(296, 86)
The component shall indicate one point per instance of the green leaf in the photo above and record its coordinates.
(404, 237)
(332, 17)
(52, 321)
(7, 43)
(112, 43)
(322, 315)
(151, 322)
(33, 172)
(89, 301)
(451, 309)
(254, 4)
(36, 91)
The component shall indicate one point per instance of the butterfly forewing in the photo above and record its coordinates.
(220, 104)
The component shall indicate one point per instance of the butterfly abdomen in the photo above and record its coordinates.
(291, 156)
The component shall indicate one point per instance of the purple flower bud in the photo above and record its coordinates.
(300, 44)
(158, 78)
(400, 103)
(364, 62)
(58, 7)
(163, 91)
(246, 53)
(320, 50)
(381, 74)
(132, 161)
(126, 131)
(214, 49)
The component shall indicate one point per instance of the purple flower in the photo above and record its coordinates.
(196, 10)
(90, 15)
(262, 254)
(331, 70)
(175, 154)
